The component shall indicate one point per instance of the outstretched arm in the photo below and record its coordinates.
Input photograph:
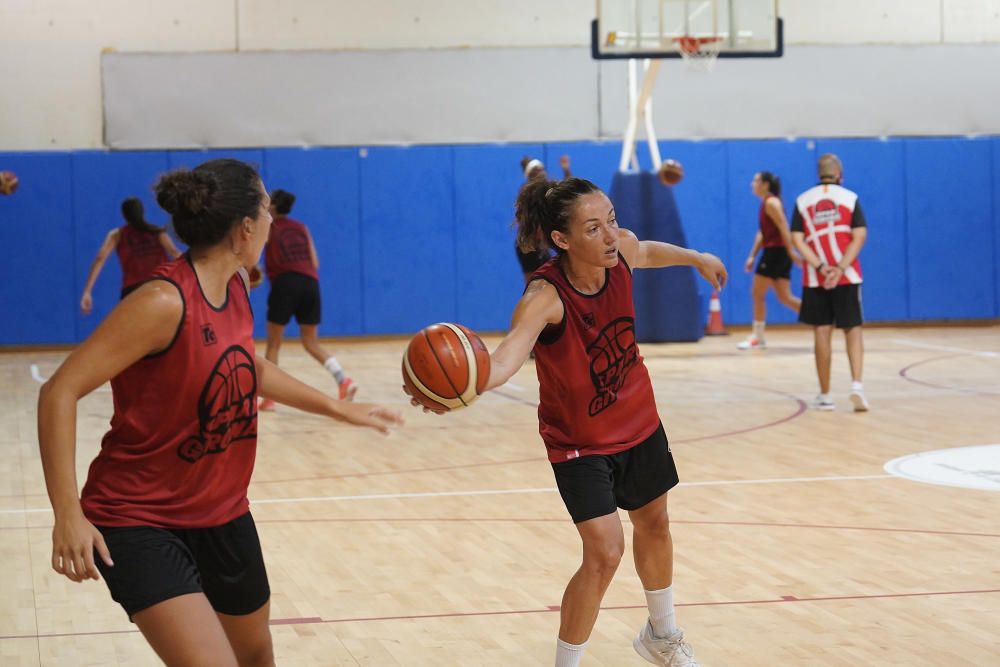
(656, 255)
(279, 386)
(540, 306)
(110, 242)
(758, 239)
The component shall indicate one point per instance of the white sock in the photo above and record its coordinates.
(661, 611)
(856, 386)
(335, 369)
(823, 398)
(758, 329)
(569, 655)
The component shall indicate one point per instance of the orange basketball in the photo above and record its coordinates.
(256, 277)
(671, 172)
(8, 182)
(445, 367)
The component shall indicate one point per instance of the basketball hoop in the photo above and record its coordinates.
(699, 53)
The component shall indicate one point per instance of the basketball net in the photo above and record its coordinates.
(699, 53)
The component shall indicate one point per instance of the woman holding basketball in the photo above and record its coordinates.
(774, 269)
(141, 248)
(164, 515)
(597, 413)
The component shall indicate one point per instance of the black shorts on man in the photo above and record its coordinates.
(840, 306)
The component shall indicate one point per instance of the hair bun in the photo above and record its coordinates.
(185, 194)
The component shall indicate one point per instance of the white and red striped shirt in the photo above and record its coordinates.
(826, 214)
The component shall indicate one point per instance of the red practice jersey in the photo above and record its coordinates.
(772, 237)
(826, 214)
(288, 250)
(183, 436)
(140, 253)
(594, 389)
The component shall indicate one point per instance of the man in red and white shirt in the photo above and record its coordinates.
(829, 230)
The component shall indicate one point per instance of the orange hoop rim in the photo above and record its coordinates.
(691, 45)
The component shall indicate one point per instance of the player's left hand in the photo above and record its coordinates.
(377, 417)
(831, 276)
(713, 270)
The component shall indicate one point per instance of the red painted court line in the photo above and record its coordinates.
(756, 524)
(904, 373)
(314, 620)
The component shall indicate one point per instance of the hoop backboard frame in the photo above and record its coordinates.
(657, 13)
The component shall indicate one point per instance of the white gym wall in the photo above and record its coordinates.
(50, 50)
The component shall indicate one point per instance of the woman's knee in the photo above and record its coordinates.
(604, 558)
(258, 652)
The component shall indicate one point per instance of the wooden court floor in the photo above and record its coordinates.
(446, 544)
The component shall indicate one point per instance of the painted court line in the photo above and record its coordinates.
(500, 492)
(944, 348)
(314, 620)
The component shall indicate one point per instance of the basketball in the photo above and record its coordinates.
(671, 172)
(8, 182)
(445, 367)
(256, 277)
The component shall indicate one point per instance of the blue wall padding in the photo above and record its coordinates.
(488, 279)
(38, 296)
(949, 210)
(410, 236)
(667, 305)
(407, 238)
(995, 189)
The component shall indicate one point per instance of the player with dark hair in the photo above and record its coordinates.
(141, 248)
(164, 515)
(293, 270)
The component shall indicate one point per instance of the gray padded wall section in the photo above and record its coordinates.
(348, 98)
(860, 91)
(538, 94)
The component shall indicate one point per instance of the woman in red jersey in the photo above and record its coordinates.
(164, 515)
(774, 270)
(293, 271)
(141, 248)
(597, 413)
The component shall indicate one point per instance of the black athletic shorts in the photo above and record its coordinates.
(531, 261)
(293, 294)
(775, 263)
(153, 565)
(840, 306)
(598, 484)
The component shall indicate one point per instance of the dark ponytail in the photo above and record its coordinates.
(545, 206)
(135, 216)
(773, 182)
(209, 200)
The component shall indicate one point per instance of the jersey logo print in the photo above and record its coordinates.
(208, 335)
(227, 408)
(612, 355)
(588, 321)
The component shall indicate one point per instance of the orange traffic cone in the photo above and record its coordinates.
(715, 327)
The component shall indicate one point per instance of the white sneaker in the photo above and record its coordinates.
(857, 397)
(824, 403)
(671, 651)
(752, 343)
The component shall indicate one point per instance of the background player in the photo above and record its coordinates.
(293, 271)
(141, 248)
(774, 269)
(829, 229)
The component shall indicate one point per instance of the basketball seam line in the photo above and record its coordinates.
(451, 384)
